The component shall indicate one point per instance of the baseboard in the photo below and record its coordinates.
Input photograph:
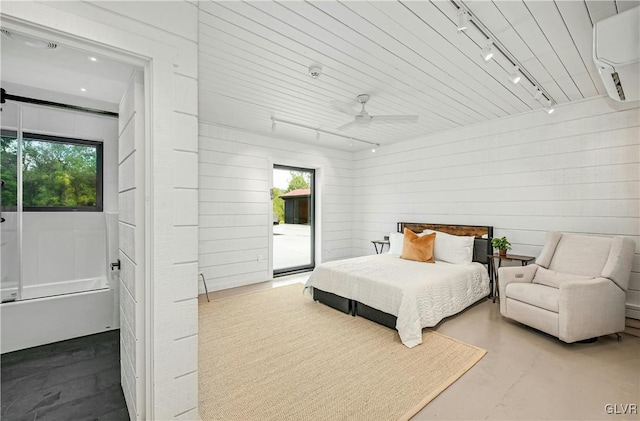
(633, 312)
(634, 323)
(633, 331)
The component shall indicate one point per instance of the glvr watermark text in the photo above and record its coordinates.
(621, 409)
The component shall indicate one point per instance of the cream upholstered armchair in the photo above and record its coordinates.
(575, 290)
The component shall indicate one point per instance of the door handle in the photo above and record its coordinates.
(115, 265)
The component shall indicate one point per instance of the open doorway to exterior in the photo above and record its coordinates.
(293, 219)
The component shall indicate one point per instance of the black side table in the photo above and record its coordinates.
(524, 261)
(382, 244)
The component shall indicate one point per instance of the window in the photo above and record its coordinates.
(58, 174)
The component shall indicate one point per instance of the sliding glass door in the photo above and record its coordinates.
(293, 219)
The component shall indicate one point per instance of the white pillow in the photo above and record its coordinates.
(452, 248)
(396, 241)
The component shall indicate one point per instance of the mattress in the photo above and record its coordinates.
(419, 294)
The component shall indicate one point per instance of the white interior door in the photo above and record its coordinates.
(131, 245)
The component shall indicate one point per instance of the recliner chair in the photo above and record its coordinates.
(576, 290)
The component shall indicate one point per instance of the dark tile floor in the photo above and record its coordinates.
(78, 379)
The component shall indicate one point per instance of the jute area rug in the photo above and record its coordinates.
(278, 355)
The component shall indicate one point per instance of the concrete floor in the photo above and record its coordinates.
(527, 375)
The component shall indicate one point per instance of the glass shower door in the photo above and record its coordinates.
(9, 258)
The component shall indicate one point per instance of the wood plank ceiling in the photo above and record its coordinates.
(408, 55)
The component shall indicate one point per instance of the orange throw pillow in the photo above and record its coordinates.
(419, 248)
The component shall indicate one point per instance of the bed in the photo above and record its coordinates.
(402, 294)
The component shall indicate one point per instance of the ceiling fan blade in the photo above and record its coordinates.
(343, 107)
(393, 118)
(346, 126)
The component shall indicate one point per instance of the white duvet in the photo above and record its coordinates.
(419, 294)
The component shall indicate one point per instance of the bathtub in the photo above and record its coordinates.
(39, 321)
(68, 288)
(30, 292)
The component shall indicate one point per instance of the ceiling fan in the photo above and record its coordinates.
(363, 118)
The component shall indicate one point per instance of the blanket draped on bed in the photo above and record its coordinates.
(419, 294)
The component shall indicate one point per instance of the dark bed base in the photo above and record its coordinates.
(354, 308)
(342, 304)
(380, 317)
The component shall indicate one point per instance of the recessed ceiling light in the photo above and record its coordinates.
(83, 89)
(93, 59)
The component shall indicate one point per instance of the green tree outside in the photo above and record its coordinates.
(278, 204)
(298, 180)
(54, 174)
(9, 170)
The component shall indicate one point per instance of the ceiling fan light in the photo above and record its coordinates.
(463, 20)
(515, 76)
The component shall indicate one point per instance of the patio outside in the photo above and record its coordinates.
(291, 245)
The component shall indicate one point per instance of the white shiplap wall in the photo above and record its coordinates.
(577, 170)
(131, 246)
(235, 170)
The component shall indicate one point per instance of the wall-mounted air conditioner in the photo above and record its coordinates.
(616, 52)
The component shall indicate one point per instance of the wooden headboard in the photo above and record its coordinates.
(481, 245)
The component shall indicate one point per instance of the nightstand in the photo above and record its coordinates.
(524, 261)
(382, 244)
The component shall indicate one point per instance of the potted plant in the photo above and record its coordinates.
(501, 244)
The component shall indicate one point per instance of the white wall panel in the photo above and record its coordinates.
(235, 169)
(167, 37)
(575, 171)
(175, 17)
(185, 132)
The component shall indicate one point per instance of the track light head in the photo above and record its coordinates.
(487, 51)
(537, 95)
(463, 19)
(549, 108)
(515, 76)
